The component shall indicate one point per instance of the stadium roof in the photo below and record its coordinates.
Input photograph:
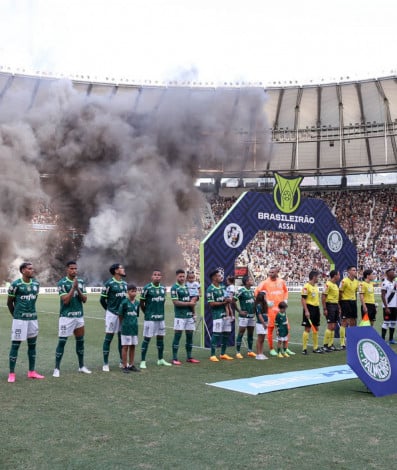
(314, 130)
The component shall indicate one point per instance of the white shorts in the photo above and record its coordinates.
(184, 324)
(153, 328)
(128, 340)
(66, 326)
(23, 329)
(260, 330)
(282, 338)
(244, 322)
(222, 325)
(112, 322)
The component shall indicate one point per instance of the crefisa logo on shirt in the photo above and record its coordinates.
(373, 360)
(233, 235)
(334, 241)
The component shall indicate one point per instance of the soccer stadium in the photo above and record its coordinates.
(144, 173)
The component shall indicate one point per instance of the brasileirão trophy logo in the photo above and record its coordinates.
(286, 193)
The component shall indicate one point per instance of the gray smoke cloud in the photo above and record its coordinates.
(122, 179)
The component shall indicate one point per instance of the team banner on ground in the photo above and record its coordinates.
(372, 359)
(287, 380)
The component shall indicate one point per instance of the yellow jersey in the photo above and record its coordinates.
(311, 294)
(348, 289)
(368, 292)
(331, 292)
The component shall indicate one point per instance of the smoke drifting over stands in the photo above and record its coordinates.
(123, 179)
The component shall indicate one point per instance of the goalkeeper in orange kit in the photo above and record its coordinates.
(276, 292)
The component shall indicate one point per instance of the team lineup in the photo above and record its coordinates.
(263, 310)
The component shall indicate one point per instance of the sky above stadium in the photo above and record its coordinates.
(207, 40)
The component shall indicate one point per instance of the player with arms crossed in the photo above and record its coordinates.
(72, 295)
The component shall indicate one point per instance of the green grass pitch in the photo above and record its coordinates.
(168, 418)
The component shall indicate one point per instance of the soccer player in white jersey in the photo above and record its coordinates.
(389, 302)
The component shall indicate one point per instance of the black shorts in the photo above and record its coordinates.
(349, 308)
(371, 310)
(392, 316)
(314, 317)
(332, 313)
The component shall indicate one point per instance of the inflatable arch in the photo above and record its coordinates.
(282, 211)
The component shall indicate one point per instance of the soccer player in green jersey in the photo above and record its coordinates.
(21, 302)
(128, 314)
(246, 319)
(152, 302)
(113, 292)
(184, 317)
(72, 295)
(221, 326)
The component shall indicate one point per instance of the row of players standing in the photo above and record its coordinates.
(121, 306)
(339, 303)
(119, 300)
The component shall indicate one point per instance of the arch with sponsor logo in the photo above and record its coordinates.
(283, 211)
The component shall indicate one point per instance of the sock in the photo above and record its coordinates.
(270, 336)
(214, 343)
(13, 355)
(59, 351)
(391, 333)
(239, 340)
(315, 340)
(225, 338)
(106, 347)
(144, 348)
(119, 343)
(175, 344)
(189, 343)
(327, 337)
(250, 340)
(80, 350)
(305, 340)
(32, 353)
(332, 338)
(384, 331)
(160, 346)
(342, 335)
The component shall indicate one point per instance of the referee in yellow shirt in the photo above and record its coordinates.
(331, 309)
(310, 299)
(366, 293)
(348, 302)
